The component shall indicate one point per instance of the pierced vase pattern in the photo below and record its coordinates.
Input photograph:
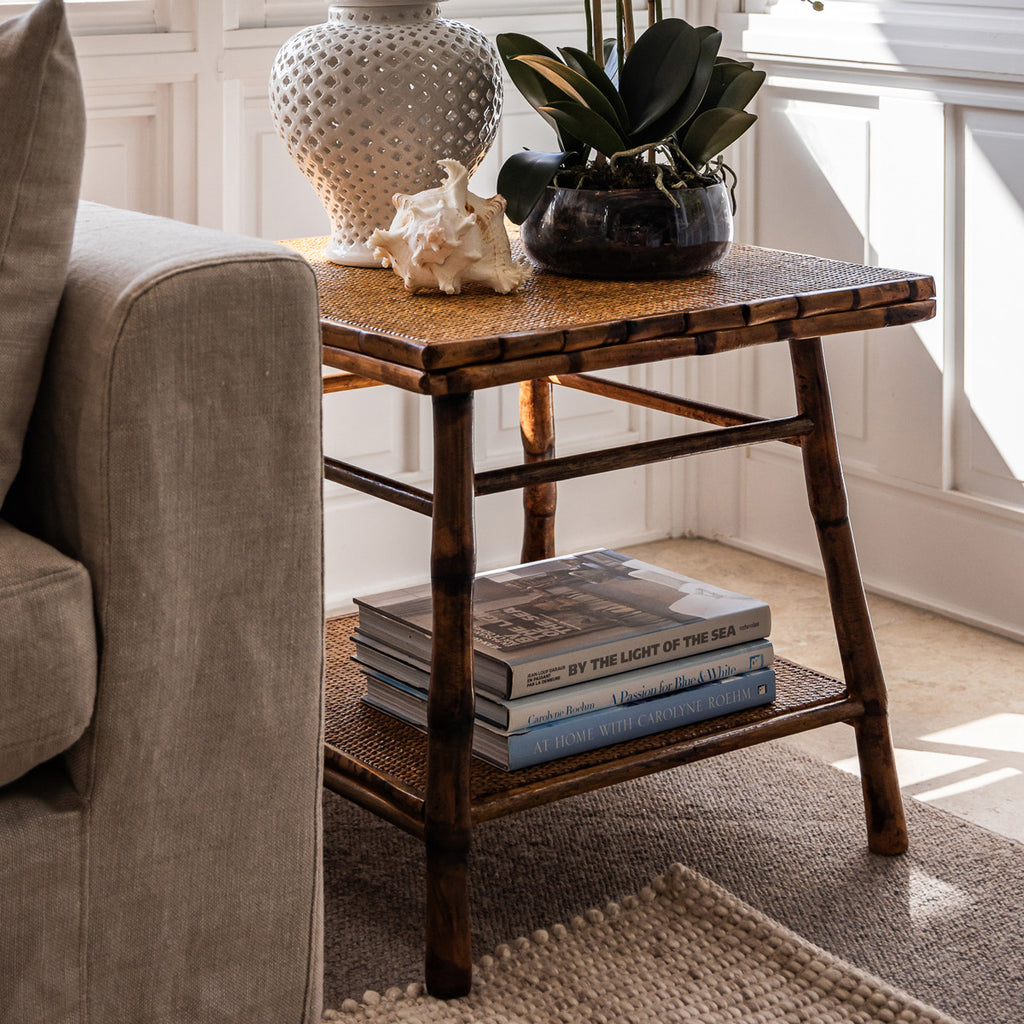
(369, 101)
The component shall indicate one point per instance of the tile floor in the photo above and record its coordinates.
(956, 693)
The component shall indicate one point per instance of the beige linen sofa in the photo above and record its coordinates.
(161, 590)
(161, 606)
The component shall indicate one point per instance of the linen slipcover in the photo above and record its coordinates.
(42, 141)
(47, 652)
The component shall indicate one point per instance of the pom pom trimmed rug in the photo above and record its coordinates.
(775, 830)
(683, 949)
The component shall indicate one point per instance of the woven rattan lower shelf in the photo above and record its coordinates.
(381, 763)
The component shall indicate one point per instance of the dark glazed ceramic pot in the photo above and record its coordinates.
(629, 233)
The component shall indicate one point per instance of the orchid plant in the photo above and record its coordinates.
(654, 110)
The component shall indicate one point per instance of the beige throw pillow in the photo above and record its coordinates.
(42, 140)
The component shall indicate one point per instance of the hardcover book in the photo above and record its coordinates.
(381, 665)
(543, 743)
(561, 621)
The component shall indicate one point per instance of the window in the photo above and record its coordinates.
(98, 17)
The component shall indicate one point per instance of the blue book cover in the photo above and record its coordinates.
(543, 743)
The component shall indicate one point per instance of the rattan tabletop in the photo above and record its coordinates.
(368, 311)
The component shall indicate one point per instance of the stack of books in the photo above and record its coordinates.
(575, 653)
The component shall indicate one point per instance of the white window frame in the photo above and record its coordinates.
(95, 17)
(125, 17)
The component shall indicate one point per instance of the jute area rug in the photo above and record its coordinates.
(584, 910)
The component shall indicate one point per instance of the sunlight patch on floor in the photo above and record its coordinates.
(968, 785)
(997, 732)
(916, 766)
(930, 897)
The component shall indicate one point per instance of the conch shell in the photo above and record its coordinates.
(445, 237)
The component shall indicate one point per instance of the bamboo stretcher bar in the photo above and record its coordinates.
(641, 454)
(403, 377)
(648, 762)
(334, 382)
(378, 486)
(659, 401)
(586, 464)
(399, 806)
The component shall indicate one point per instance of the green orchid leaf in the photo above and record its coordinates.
(672, 88)
(742, 89)
(575, 86)
(514, 44)
(689, 102)
(523, 178)
(597, 75)
(748, 64)
(556, 73)
(722, 75)
(537, 90)
(712, 132)
(657, 71)
(732, 85)
(587, 125)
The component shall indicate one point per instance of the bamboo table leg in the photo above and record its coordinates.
(826, 491)
(447, 822)
(537, 427)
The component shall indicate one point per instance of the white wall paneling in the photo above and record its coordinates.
(893, 134)
(107, 16)
(128, 161)
(989, 414)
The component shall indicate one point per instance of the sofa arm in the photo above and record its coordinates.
(176, 452)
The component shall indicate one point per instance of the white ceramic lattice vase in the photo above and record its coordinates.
(369, 101)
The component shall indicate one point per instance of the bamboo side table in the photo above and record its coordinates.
(554, 332)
